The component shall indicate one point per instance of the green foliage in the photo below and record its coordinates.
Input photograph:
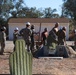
(2, 22)
(70, 8)
(71, 26)
(49, 13)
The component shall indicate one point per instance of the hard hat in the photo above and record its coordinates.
(28, 23)
(3, 28)
(16, 28)
(75, 30)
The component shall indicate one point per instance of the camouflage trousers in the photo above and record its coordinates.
(28, 45)
(2, 47)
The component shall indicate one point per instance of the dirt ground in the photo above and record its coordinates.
(65, 66)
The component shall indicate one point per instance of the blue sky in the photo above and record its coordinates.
(54, 4)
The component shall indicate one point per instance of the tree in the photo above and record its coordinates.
(17, 10)
(5, 8)
(70, 8)
(34, 13)
(49, 13)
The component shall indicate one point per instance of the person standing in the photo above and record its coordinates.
(55, 28)
(44, 36)
(26, 34)
(2, 39)
(52, 37)
(62, 36)
(32, 38)
(52, 40)
(15, 36)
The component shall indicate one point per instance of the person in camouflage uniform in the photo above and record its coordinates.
(15, 36)
(26, 34)
(2, 39)
(61, 36)
(32, 38)
(33, 43)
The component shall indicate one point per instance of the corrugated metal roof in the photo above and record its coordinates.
(38, 20)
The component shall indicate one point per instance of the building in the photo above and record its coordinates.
(40, 24)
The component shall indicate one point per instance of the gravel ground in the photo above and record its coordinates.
(65, 66)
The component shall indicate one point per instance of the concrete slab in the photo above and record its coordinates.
(50, 57)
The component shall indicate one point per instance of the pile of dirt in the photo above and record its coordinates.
(71, 52)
